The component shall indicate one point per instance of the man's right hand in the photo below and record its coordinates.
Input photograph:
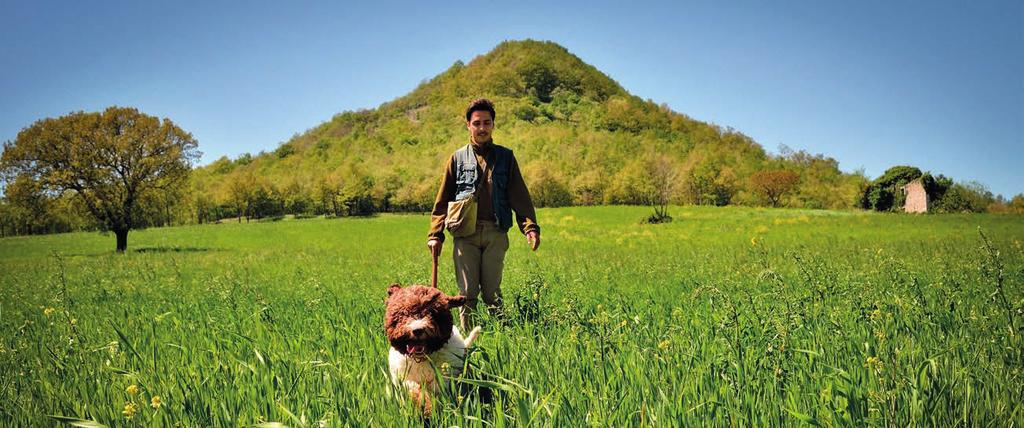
(434, 245)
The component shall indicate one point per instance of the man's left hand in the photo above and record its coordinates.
(533, 237)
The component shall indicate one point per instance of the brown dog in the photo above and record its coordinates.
(424, 339)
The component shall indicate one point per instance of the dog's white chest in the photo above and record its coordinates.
(419, 372)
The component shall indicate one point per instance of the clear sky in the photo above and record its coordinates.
(938, 85)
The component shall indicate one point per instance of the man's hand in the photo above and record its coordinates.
(533, 237)
(434, 245)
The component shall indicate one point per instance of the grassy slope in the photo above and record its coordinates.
(727, 315)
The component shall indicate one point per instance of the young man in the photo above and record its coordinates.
(499, 189)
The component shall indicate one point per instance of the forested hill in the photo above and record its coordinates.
(580, 137)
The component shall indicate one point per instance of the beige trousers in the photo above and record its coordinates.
(479, 260)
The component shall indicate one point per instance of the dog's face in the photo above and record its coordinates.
(418, 319)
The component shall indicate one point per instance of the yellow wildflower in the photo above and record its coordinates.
(880, 335)
(74, 321)
(875, 314)
(155, 402)
(129, 409)
(48, 311)
(753, 240)
(132, 389)
(875, 364)
(664, 344)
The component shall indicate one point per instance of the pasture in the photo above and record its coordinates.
(726, 316)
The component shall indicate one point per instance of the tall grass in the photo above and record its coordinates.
(726, 316)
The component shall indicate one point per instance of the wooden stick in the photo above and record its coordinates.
(433, 271)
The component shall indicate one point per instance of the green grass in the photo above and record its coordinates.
(726, 316)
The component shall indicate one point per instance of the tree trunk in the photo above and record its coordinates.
(122, 240)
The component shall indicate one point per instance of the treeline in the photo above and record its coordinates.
(790, 179)
(886, 193)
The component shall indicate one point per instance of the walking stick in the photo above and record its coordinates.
(433, 270)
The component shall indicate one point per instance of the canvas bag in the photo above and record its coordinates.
(461, 218)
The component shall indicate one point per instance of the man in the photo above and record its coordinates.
(499, 189)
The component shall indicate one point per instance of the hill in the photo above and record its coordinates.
(581, 139)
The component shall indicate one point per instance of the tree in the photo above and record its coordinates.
(244, 193)
(967, 197)
(111, 160)
(774, 184)
(663, 174)
(1016, 204)
(547, 187)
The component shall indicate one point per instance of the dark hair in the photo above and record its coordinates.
(480, 104)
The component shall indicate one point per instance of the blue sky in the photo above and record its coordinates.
(937, 85)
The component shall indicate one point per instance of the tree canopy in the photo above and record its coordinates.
(117, 163)
(773, 185)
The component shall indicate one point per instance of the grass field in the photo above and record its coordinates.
(726, 316)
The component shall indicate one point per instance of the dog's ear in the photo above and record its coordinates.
(456, 301)
(393, 288)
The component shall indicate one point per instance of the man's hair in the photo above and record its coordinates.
(480, 104)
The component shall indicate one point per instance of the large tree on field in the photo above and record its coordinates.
(774, 184)
(111, 160)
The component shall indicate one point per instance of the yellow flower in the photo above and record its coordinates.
(875, 364)
(129, 409)
(155, 402)
(880, 335)
(875, 314)
(132, 389)
(48, 311)
(753, 240)
(74, 321)
(664, 344)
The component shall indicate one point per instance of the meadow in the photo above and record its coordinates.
(725, 316)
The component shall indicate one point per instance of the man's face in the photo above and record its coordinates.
(480, 126)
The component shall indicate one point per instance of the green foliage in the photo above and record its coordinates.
(244, 159)
(885, 192)
(944, 195)
(969, 197)
(547, 187)
(1016, 204)
(724, 317)
(284, 150)
(116, 162)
